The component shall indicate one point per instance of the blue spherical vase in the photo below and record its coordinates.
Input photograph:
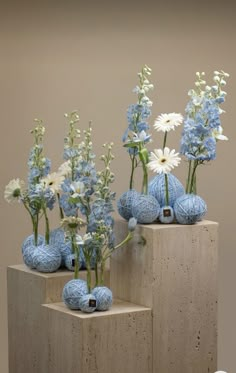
(88, 303)
(57, 239)
(166, 215)
(125, 203)
(103, 297)
(47, 258)
(156, 188)
(70, 262)
(30, 241)
(29, 254)
(189, 209)
(73, 291)
(56, 235)
(146, 209)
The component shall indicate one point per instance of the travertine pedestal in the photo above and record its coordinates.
(27, 291)
(172, 269)
(115, 341)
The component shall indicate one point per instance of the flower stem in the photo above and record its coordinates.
(47, 229)
(189, 176)
(88, 273)
(76, 252)
(102, 273)
(165, 138)
(143, 155)
(96, 274)
(166, 189)
(192, 188)
(131, 182)
(127, 239)
(60, 209)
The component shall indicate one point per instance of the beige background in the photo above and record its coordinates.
(61, 57)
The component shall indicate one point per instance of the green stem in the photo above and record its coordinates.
(131, 182)
(88, 273)
(143, 155)
(167, 190)
(127, 239)
(102, 272)
(35, 229)
(189, 176)
(60, 209)
(165, 138)
(47, 229)
(192, 188)
(96, 274)
(76, 251)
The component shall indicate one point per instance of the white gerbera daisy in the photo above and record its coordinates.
(14, 190)
(167, 122)
(65, 169)
(53, 181)
(162, 161)
(78, 188)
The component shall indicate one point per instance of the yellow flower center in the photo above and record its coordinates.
(163, 160)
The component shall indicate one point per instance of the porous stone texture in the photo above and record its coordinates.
(117, 341)
(173, 270)
(27, 291)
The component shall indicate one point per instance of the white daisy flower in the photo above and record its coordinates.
(162, 161)
(78, 188)
(65, 169)
(14, 190)
(167, 122)
(217, 133)
(53, 181)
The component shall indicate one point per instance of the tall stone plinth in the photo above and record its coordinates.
(27, 291)
(114, 341)
(173, 270)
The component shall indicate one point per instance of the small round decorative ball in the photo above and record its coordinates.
(157, 189)
(72, 292)
(30, 241)
(56, 235)
(47, 258)
(29, 254)
(103, 297)
(70, 262)
(189, 209)
(125, 202)
(166, 215)
(88, 303)
(146, 209)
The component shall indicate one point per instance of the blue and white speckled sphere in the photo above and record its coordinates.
(125, 202)
(156, 188)
(146, 209)
(189, 209)
(56, 235)
(72, 292)
(166, 215)
(30, 241)
(47, 258)
(103, 297)
(57, 239)
(29, 254)
(88, 303)
(69, 262)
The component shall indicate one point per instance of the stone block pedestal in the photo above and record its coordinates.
(173, 270)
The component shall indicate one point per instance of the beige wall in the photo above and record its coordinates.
(58, 58)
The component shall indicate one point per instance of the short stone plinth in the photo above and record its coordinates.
(114, 341)
(27, 291)
(173, 270)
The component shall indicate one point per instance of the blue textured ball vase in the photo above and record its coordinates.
(125, 203)
(47, 258)
(57, 239)
(156, 188)
(73, 291)
(88, 303)
(189, 209)
(70, 262)
(166, 215)
(29, 254)
(103, 297)
(146, 209)
(30, 241)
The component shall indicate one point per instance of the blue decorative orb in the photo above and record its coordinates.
(166, 215)
(47, 259)
(30, 241)
(72, 292)
(125, 202)
(103, 297)
(88, 303)
(56, 235)
(146, 209)
(189, 209)
(70, 262)
(29, 254)
(156, 188)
